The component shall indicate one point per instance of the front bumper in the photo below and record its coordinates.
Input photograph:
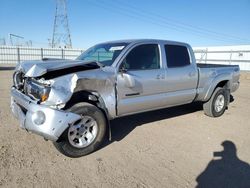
(56, 121)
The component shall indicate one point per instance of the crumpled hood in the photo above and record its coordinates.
(38, 68)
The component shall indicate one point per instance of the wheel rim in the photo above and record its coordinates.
(219, 103)
(83, 132)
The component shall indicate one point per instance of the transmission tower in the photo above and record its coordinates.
(61, 35)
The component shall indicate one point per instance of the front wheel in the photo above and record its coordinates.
(86, 134)
(217, 104)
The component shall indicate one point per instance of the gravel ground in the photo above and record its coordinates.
(166, 148)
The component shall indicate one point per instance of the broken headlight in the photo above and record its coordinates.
(36, 90)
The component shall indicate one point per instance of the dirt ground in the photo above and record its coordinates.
(166, 148)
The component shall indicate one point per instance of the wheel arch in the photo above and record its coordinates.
(222, 81)
(93, 98)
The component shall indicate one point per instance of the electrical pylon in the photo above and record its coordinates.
(61, 34)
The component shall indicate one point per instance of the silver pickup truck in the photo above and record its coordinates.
(71, 102)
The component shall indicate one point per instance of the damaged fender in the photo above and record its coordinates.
(99, 83)
(62, 89)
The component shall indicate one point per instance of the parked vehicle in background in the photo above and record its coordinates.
(72, 101)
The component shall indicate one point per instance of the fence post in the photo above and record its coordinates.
(206, 56)
(230, 60)
(62, 54)
(203, 53)
(18, 55)
(41, 53)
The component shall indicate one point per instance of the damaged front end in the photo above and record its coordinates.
(40, 119)
(53, 92)
(41, 93)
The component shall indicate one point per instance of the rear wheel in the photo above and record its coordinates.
(217, 104)
(85, 135)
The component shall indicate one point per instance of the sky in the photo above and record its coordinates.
(197, 22)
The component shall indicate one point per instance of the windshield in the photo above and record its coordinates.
(103, 53)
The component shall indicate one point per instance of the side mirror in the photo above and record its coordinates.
(128, 79)
(123, 70)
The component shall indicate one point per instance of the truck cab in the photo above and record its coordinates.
(155, 74)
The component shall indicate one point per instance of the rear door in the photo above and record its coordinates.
(181, 75)
(140, 81)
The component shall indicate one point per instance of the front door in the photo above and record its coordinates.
(140, 81)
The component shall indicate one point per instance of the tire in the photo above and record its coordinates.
(77, 140)
(218, 102)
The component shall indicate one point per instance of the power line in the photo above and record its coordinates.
(147, 18)
(182, 24)
(174, 25)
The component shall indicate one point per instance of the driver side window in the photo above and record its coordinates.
(143, 57)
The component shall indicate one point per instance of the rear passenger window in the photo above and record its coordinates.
(177, 56)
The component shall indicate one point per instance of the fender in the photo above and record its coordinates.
(102, 105)
(220, 78)
(85, 87)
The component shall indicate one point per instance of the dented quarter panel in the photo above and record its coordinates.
(101, 81)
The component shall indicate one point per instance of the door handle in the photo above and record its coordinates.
(158, 77)
(191, 74)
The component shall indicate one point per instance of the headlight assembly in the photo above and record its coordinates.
(37, 90)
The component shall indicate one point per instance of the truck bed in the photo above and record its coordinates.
(208, 73)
